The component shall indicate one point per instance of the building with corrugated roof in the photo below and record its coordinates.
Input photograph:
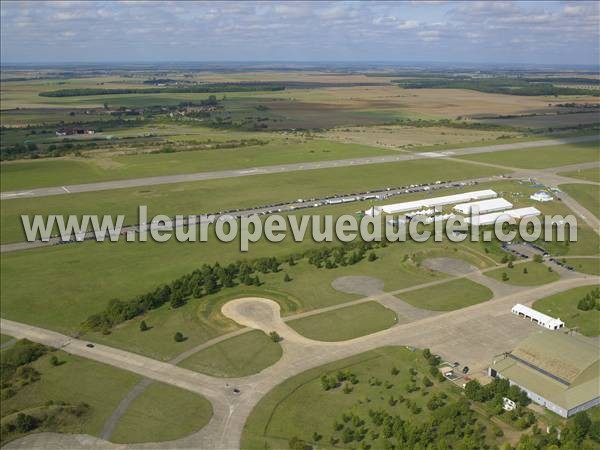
(558, 371)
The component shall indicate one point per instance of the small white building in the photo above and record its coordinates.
(541, 196)
(541, 319)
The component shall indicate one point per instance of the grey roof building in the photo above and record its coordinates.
(558, 371)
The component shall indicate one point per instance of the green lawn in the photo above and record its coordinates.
(222, 194)
(585, 265)
(162, 413)
(588, 196)
(53, 172)
(448, 296)
(238, 356)
(537, 274)
(542, 157)
(564, 306)
(345, 323)
(289, 409)
(106, 271)
(5, 338)
(76, 380)
(584, 174)
(68, 300)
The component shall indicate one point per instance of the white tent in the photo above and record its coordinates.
(484, 206)
(535, 316)
(437, 201)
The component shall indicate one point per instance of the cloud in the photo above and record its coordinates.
(407, 25)
(324, 30)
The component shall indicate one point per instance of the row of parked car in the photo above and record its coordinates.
(378, 194)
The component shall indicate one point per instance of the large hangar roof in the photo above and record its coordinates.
(559, 367)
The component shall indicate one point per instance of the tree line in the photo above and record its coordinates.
(198, 89)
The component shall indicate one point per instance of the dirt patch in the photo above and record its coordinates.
(358, 285)
(401, 136)
(450, 266)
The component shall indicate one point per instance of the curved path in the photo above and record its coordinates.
(472, 335)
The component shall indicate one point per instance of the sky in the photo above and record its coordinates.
(535, 32)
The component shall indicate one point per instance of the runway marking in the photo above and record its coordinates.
(66, 190)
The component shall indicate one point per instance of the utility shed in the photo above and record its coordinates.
(484, 206)
(535, 316)
(558, 371)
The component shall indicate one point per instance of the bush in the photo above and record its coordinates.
(179, 337)
(24, 423)
(274, 336)
(143, 326)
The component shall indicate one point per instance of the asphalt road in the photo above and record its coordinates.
(153, 181)
(472, 335)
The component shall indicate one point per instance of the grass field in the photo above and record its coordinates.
(288, 410)
(542, 157)
(4, 338)
(537, 274)
(238, 356)
(199, 320)
(218, 195)
(586, 174)
(395, 136)
(105, 167)
(345, 323)
(162, 413)
(454, 294)
(68, 299)
(76, 380)
(585, 265)
(546, 120)
(564, 305)
(588, 196)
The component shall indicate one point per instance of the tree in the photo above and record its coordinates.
(54, 361)
(427, 382)
(510, 265)
(197, 291)
(143, 326)
(274, 336)
(504, 276)
(177, 299)
(178, 337)
(594, 430)
(372, 256)
(210, 285)
(474, 391)
(25, 423)
(296, 443)
(581, 425)
(525, 270)
(287, 278)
